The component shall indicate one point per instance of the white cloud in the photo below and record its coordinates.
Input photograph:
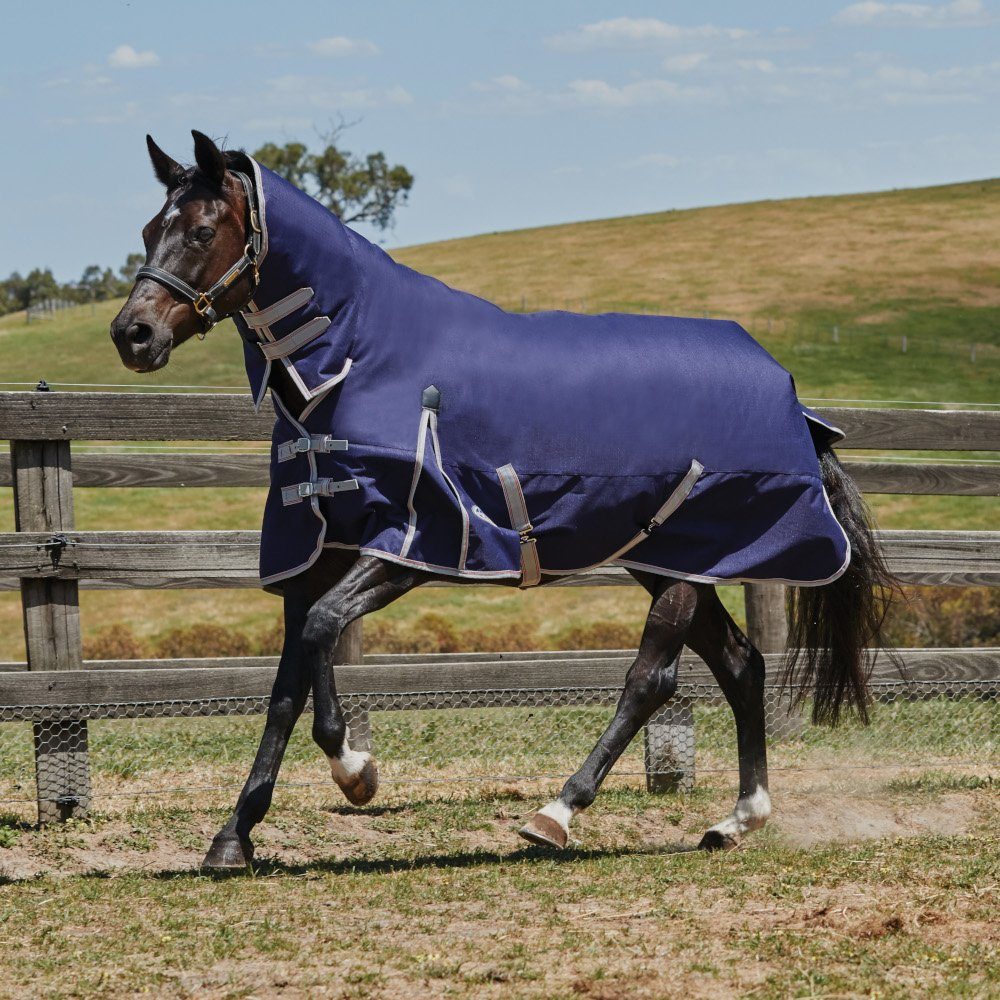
(972, 84)
(641, 93)
(506, 82)
(319, 92)
(635, 32)
(758, 65)
(958, 13)
(684, 63)
(658, 160)
(129, 112)
(339, 45)
(125, 57)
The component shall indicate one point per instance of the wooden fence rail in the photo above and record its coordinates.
(48, 561)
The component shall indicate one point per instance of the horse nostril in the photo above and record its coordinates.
(139, 334)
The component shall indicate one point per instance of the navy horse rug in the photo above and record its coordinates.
(442, 432)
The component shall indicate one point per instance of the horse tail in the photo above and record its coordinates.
(833, 627)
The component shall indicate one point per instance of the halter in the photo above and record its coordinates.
(204, 302)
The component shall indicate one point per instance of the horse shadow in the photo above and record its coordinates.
(453, 861)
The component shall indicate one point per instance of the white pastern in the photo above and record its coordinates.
(349, 764)
(560, 812)
(751, 813)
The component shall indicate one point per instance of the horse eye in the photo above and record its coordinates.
(204, 234)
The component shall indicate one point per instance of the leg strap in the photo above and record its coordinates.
(531, 570)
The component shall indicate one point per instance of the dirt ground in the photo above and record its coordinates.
(884, 887)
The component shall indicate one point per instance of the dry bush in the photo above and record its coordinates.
(269, 641)
(946, 616)
(600, 634)
(430, 633)
(201, 640)
(116, 642)
(506, 637)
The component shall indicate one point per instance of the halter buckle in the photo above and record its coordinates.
(202, 304)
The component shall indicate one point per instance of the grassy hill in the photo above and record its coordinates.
(830, 286)
(923, 262)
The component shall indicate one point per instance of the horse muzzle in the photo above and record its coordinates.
(142, 346)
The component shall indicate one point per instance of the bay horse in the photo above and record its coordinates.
(675, 448)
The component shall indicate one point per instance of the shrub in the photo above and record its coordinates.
(507, 637)
(201, 640)
(270, 640)
(432, 632)
(600, 634)
(116, 642)
(946, 616)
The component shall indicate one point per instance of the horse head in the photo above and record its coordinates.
(189, 279)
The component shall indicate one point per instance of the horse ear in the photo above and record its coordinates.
(209, 157)
(165, 167)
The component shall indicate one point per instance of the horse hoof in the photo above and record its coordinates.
(715, 840)
(543, 831)
(228, 853)
(360, 790)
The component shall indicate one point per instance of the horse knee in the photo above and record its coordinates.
(651, 688)
(322, 629)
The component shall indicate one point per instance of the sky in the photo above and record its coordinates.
(509, 115)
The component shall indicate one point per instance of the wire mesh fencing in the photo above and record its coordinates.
(88, 756)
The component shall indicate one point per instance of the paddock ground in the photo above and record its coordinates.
(870, 881)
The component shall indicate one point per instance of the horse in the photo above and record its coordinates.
(234, 240)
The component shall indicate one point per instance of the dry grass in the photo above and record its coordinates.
(431, 895)
(767, 258)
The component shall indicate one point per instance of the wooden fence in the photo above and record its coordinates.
(48, 560)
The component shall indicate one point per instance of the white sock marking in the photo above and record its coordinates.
(559, 811)
(751, 813)
(349, 764)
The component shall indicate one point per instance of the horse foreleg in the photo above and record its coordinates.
(739, 670)
(650, 682)
(370, 584)
(232, 847)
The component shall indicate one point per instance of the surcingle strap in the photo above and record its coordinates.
(316, 488)
(322, 443)
(531, 570)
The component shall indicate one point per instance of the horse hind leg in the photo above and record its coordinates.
(738, 668)
(651, 681)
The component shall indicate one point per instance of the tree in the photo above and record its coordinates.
(38, 285)
(355, 188)
(132, 264)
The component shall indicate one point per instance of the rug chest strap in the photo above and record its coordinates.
(531, 570)
(316, 488)
(322, 443)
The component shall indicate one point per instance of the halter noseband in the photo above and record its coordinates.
(204, 302)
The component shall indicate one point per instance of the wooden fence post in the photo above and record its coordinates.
(668, 748)
(767, 629)
(43, 501)
(350, 649)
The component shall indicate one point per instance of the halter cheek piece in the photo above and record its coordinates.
(204, 302)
